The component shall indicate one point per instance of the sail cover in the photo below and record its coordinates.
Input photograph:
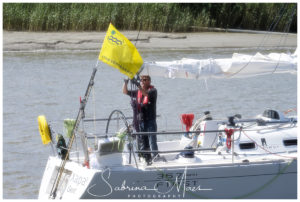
(240, 65)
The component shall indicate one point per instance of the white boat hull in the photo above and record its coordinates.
(275, 179)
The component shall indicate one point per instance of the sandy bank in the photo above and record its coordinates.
(32, 41)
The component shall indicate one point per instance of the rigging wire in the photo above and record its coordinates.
(274, 24)
(271, 29)
(287, 28)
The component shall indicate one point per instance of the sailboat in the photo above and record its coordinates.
(230, 158)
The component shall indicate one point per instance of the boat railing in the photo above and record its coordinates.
(90, 136)
(235, 124)
(259, 121)
(175, 151)
(237, 128)
(113, 119)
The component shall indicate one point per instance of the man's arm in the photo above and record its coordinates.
(125, 89)
(144, 92)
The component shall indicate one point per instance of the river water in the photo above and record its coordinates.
(50, 83)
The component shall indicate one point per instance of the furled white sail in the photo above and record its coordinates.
(240, 65)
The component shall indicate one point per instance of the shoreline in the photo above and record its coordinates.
(92, 41)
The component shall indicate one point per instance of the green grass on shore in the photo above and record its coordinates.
(164, 17)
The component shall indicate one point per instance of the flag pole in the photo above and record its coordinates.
(80, 116)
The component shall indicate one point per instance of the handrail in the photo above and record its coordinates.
(175, 151)
(175, 132)
(106, 119)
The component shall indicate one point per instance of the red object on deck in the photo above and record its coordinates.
(87, 164)
(229, 133)
(187, 120)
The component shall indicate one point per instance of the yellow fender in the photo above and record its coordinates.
(44, 129)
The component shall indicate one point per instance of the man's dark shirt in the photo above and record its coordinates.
(147, 112)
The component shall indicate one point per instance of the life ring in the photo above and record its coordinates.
(44, 129)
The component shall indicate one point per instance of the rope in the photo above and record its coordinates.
(275, 22)
(137, 38)
(271, 28)
(287, 27)
(281, 171)
(266, 149)
(290, 110)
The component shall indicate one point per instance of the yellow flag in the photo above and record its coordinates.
(118, 52)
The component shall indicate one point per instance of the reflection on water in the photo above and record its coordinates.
(51, 83)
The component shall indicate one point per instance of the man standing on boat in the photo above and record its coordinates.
(145, 103)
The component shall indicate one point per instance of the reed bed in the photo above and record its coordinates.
(164, 17)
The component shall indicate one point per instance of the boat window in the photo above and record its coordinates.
(271, 114)
(290, 142)
(247, 145)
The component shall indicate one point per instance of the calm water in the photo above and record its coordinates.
(51, 83)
